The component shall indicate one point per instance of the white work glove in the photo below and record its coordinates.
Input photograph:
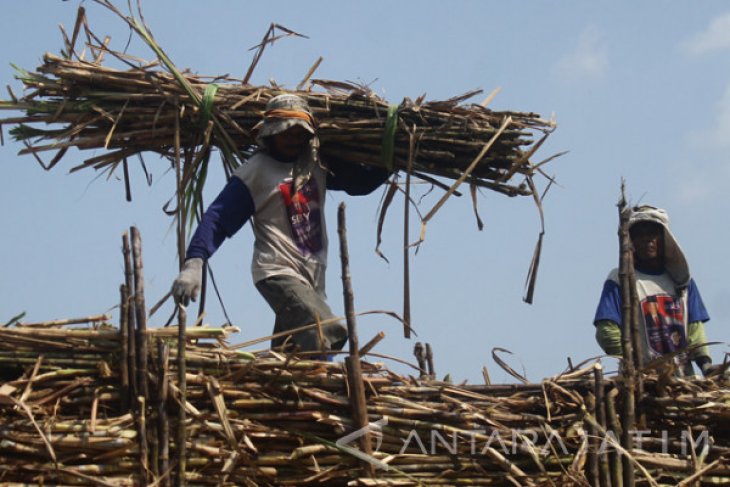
(187, 284)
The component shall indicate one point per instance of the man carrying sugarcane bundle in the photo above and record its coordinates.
(672, 315)
(282, 189)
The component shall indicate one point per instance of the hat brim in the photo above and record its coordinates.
(267, 128)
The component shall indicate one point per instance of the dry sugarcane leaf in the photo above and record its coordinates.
(506, 367)
(535, 262)
(387, 200)
(473, 191)
(216, 396)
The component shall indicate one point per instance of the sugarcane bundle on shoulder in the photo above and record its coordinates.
(89, 106)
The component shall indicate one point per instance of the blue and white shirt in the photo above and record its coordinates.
(289, 227)
(666, 311)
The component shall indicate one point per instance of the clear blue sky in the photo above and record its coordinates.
(640, 90)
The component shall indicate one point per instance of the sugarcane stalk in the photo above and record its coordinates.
(615, 426)
(352, 362)
(407, 241)
(420, 353)
(371, 344)
(124, 342)
(628, 370)
(70, 321)
(181, 448)
(593, 446)
(180, 192)
(697, 476)
(131, 319)
(636, 340)
(429, 361)
(163, 424)
(600, 408)
(142, 435)
(141, 313)
(54, 333)
(199, 332)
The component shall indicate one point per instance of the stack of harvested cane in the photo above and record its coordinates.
(136, 405)
(266, 419)
(97, 406)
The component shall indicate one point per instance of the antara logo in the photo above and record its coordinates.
(375, 427)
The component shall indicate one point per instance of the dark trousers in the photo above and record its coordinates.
(296, 304)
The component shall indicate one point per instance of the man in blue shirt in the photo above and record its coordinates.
(672, 314)
(281, 188)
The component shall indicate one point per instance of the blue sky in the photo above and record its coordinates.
(640, 90)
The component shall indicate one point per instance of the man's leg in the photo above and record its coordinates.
(297, 304)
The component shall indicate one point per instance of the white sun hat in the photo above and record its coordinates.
(282, 113)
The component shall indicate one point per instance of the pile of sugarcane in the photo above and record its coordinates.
(90, 106)
(83, 102)
(268, 419)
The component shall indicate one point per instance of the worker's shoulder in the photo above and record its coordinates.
(251, 166)
(613, 275)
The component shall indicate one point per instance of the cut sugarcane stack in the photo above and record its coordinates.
(266, 419)
(88, 106)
